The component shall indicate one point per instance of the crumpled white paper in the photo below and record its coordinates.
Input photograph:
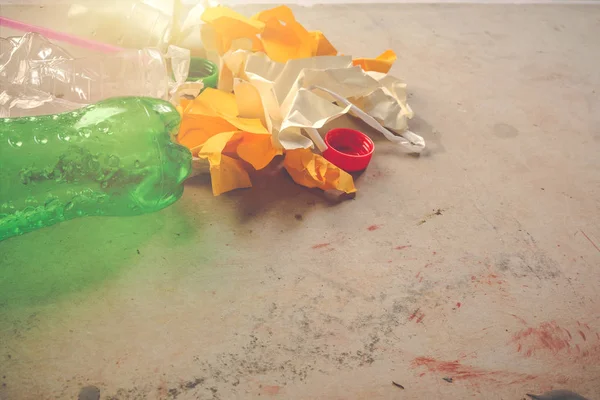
(305, 94)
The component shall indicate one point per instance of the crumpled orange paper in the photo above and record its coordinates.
(213, 111)
(226, 151)
(382, 63)
(211, 124)
(274, 31)
(212, 130)
(226, 173)
(226, 26)
(313, 170)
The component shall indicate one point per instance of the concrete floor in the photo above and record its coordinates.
(477, 261)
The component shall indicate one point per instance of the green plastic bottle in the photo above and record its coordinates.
(114, 158)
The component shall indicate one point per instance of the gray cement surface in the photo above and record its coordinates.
(478, 261)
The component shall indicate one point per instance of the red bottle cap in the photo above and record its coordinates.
(348, 149)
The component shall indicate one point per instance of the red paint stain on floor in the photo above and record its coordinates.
(373, 227)
(417, 275)
(486, 280)
(270, 390)
(458, 304)
(402, 247)
(321, 245)
(418, 315)
(491, 279)
(453, 368)
(549, 337)
(458, 371)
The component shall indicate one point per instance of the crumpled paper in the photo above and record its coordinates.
(313, 170)
(212, 112)
(274, 32)
(289, 104)
(212, 129)
(224, 26)
(286, 82)
(382, 63)
(282, 38)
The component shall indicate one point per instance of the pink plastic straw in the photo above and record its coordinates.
(60, 36)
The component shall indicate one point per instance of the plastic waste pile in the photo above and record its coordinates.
(205, 86)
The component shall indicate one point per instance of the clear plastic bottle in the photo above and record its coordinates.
(113, 158)
(35, 72)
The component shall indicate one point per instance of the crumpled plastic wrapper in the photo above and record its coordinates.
(38, 77)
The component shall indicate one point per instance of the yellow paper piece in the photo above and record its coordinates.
(382, 63)
(226, 173)
(257, 150)
(213, 148)
(212, 112)
(323, 46)
(283, 38)
(275, 32)
(312, 170)
(212, 102)
(213, 130)
(248, 101)
(227, 26)
(230, 174)
(201, 120)
(215, 111)
(195, 130)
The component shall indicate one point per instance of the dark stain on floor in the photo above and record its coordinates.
(435, 212)
(535, 263)
(505, 131)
